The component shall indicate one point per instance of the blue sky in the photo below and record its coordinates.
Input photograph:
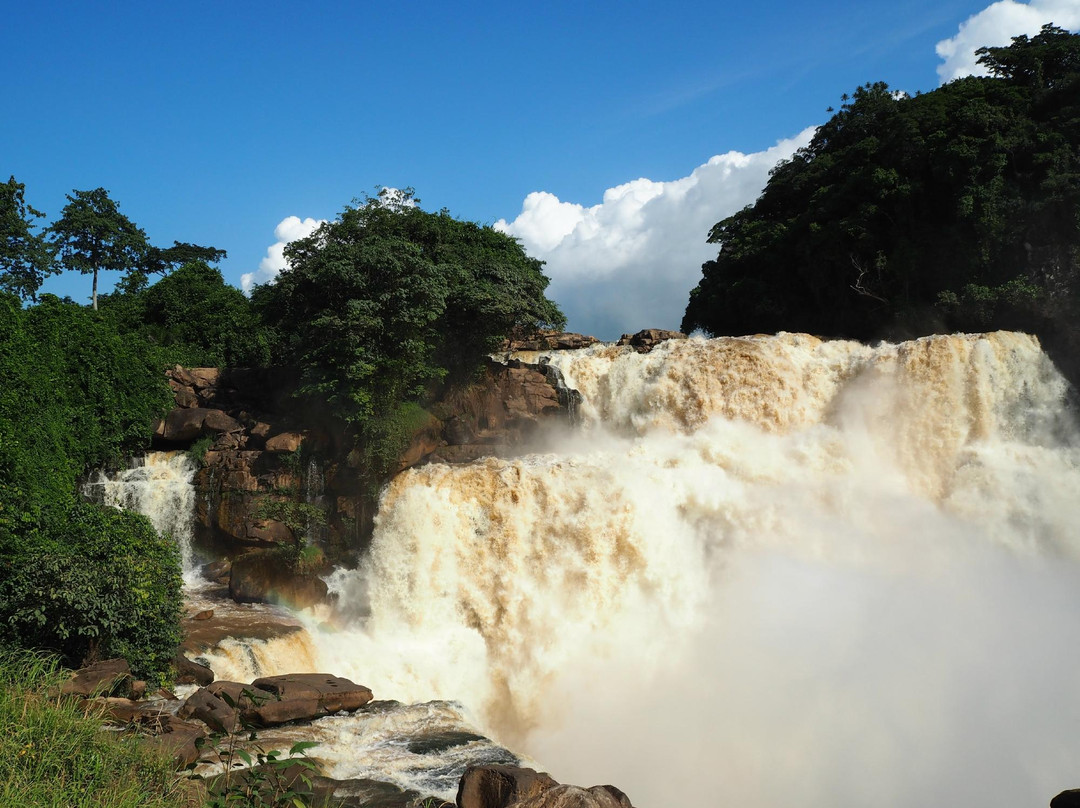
(212, 123)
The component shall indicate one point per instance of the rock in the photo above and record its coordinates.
(499, 786)
(217, 422)
(284, 442)
(211, 710)
(1067, 799)
(239, 695)
(178, 738)
(184, 425)
(108, 678)
(549, 341)
(495, 786)
(205, 614)
(138, 689)
(566, 796)
(261, 577)
(124, 711)
(647, 339)
(333, 693)
(217, 571)
(191, 673)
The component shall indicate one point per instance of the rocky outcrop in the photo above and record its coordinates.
(516, 787)
(111, 677)
(647, 339)
(547, 341)
(273, 700)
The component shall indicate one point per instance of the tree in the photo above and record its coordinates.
(25, 258)
(389, 299)
(92, 235)
(952, 210)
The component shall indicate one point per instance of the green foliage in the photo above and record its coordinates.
(200, 447)
(75, 578)
(94, 583)
(54, 755)
(25, 257)
(955, 210)
(253, 777)
(92, 234)
(193, 318)
(388, 300)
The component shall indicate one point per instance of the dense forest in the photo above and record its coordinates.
(952, 210)
(380, 307)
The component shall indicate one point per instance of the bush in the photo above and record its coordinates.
(93, 584)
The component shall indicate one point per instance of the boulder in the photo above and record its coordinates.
(284, 442)
(498, 786)
(262, 577)
(211, 710)
(108, 678)
(239, 695)
(217, 571)
(184, 425)
(1067, 799)
(333, 693)
(191, 673)
(177, 738)
(217, 422)
(647, 339)
(566, 796)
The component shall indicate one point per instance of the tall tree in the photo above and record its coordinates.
(92, 234)
(25, 257)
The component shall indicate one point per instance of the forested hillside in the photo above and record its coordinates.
(953, 210)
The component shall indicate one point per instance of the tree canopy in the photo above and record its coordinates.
(951, 210)
(25, 257)
(388, 299)
(93, 235)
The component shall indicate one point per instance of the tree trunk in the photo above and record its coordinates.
(95, 288)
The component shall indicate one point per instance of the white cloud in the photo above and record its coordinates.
(996, 25)
(630, 262)
(289, 229)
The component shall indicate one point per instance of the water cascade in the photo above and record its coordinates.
(758, 571)
(159, 486)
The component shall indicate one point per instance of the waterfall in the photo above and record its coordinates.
(159, 486)
(758, 571)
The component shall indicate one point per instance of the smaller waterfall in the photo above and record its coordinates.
(159, 486)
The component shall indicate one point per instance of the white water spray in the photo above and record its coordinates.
(159, 486)
(765, 570)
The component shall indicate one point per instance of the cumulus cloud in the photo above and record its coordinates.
(996, 25)
(630, 262)
(289, 229)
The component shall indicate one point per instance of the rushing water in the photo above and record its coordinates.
(158, 485)
(759, 571)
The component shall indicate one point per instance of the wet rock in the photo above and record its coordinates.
(499, 786)
(647, 339)
(111, 677)
(566, 796)
(205, 614)
(330, 693)
(217, 571)
(177, 738)
(191, 673)
(211, 710)
(239, 695)
(505, 786)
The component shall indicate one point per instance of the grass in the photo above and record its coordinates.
(53, 753)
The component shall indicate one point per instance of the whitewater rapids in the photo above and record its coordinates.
(758, 571)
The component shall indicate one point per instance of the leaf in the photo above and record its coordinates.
(301, 747)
